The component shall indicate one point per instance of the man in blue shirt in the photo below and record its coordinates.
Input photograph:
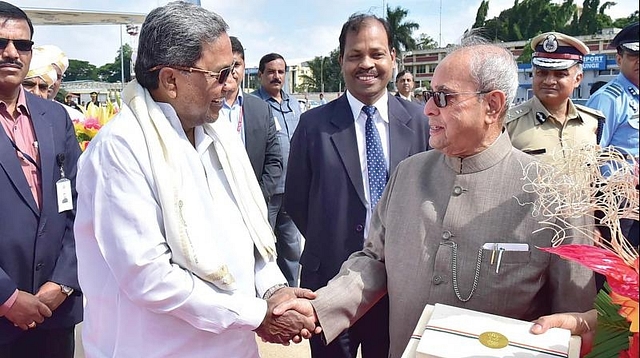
(271, 72)
(618, 100)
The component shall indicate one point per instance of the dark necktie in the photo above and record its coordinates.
(376, 166)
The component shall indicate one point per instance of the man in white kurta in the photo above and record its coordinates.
(176, 257)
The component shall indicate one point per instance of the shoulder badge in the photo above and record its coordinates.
(614, 89)
(517, 112)
(590, 111)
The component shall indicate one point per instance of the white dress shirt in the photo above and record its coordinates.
(234, 114)
(138, 303)
(381, 122)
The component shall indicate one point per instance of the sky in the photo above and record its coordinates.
(298, 30)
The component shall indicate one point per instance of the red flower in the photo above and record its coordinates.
(622, 278)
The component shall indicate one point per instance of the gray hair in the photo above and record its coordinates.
(491, 67)
(174, 35)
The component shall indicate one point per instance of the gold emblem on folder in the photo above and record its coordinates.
(493, 340)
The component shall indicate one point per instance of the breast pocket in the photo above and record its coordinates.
(505, 263)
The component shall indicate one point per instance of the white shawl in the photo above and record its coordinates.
(196, 251)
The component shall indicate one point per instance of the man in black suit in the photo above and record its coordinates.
(252, 118)
(329, 192)
(40, 302)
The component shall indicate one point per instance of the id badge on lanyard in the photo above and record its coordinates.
(63, 187)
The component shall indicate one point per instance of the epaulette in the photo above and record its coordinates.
(517, 112)
(614, 90)
(594, 112)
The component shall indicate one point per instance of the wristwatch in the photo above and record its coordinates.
(270, 292)
(66, 290)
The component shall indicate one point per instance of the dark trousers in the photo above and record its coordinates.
(41, 343)
(287, 240)
(371, 332)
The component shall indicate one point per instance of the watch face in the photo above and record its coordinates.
(66, 290)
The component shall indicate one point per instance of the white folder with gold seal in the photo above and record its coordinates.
(452, 332)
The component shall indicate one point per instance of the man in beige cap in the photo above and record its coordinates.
(58, 59)
(550, 122)
(43, 79)
(41, 76)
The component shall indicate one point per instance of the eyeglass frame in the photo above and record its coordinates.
(40, 86)
(217, 75)
(442, 96)
(19, 44)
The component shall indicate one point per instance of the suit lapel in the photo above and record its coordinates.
(47, 151)
(11, 164)
(344, 140)
(250, 127)
(400, 135)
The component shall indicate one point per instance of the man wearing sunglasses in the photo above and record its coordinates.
(550, 122)
(436, 232)
(175, 251)
(40, 300)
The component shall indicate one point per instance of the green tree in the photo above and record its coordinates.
(331, 74)
(527, 53)
(425, 42)
(111, 72)
(80, 70)
(401, 30)
(481, 14)
(623, 22)
(590, 19)
(526, 19)
(401, 35)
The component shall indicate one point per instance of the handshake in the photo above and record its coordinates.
(290, 317)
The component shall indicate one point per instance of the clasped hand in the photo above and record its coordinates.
(290, 317)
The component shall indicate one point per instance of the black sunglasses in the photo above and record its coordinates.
(220, 76)
(440, 98)
(20, 45)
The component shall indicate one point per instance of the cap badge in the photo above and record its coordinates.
(550, 44)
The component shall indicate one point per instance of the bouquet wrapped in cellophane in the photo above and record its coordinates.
(582, 182)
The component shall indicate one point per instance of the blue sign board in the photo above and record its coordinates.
(595, 62)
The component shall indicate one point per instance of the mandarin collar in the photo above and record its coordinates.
(483, 160)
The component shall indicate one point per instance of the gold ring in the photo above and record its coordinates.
(32, 325)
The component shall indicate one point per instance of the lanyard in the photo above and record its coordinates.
(25, 155)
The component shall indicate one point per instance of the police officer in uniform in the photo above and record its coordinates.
(550, 122)
(618, 100)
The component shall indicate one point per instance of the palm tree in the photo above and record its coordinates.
(401, 30)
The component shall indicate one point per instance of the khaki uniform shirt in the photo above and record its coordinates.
(535, 131)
